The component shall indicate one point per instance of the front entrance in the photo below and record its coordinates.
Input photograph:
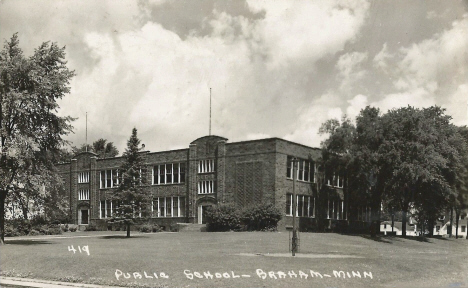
(202, 213)
(83, 217)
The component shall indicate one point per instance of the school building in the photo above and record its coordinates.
(211, 171)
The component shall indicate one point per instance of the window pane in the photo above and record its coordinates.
(300, 206)
(162, 207)
(182, 172)
(168, 173)
(168, 207)
(182, 206)
(103, 210)
(288, 204)
(289, 167)
(155, 174)
(175, 206)
(162, 176)
(103, 179)
(306, 171)
(300, 170)
(176, 173)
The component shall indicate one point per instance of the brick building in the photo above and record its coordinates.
(183, 183)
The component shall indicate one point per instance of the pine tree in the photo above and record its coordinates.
(132, 200)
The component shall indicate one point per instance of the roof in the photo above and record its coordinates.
(399, 225)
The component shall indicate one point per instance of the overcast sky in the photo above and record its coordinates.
(276, 68)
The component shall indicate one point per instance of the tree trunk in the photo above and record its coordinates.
(456, 223)
(393, 220)
(128, 230)
(2, 216)
(431, 228)
(403, 223)
(451, 222)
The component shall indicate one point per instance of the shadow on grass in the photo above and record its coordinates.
(378, 238)
(27, 242)
(122, 237)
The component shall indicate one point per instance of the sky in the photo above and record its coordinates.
(275, 68)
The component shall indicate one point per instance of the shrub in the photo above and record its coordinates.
(54, 230)
(34, 232)
(91, 227)
(223, 218)
(72, 229)
(146, 228)
(64, 227)
(156, 228)
(11, 231)
(264, 217)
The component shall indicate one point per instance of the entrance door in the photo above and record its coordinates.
(84, 216)
(202, 213)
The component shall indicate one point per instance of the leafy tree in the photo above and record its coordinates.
(351, 150)
(131, 198)
(31, 133)
(420, 151)
(101, 147)
(459, 201)
(406, 158)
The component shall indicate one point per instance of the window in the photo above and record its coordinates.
(110, 178)
(205, 187)
(305, 205)
(335, 181)
(169, 174)
(83, 177)
(83, 194)
(206, 166)
(169, 207)
(107, 208)
(437, 228)
(305, 170)
(463, 228)
(335, 210)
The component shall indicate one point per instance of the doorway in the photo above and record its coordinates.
(202, 213)
(84, 217)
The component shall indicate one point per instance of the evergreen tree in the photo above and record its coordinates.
(132, 200)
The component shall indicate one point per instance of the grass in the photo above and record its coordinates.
(394, 262)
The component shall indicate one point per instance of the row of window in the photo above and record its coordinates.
(305, 205)
(110, 178)
(305, 170)
(206, 166)
(162, 207)
(168, 207)
(83, 177)
(83, 194)
(335, 210)
(169, 173)
(206, 187)
(335, 181)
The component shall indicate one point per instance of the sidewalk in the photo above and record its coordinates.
(36, 283)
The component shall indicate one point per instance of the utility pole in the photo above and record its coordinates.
(294, 209)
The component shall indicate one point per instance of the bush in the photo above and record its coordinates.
(34, 232)
(72, 229)
(156, 228)
(91, 227)
(146, 228)
(223, 218)
(264, 217)
(54, 230)
(64, 227)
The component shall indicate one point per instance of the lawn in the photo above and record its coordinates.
(234, 260)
